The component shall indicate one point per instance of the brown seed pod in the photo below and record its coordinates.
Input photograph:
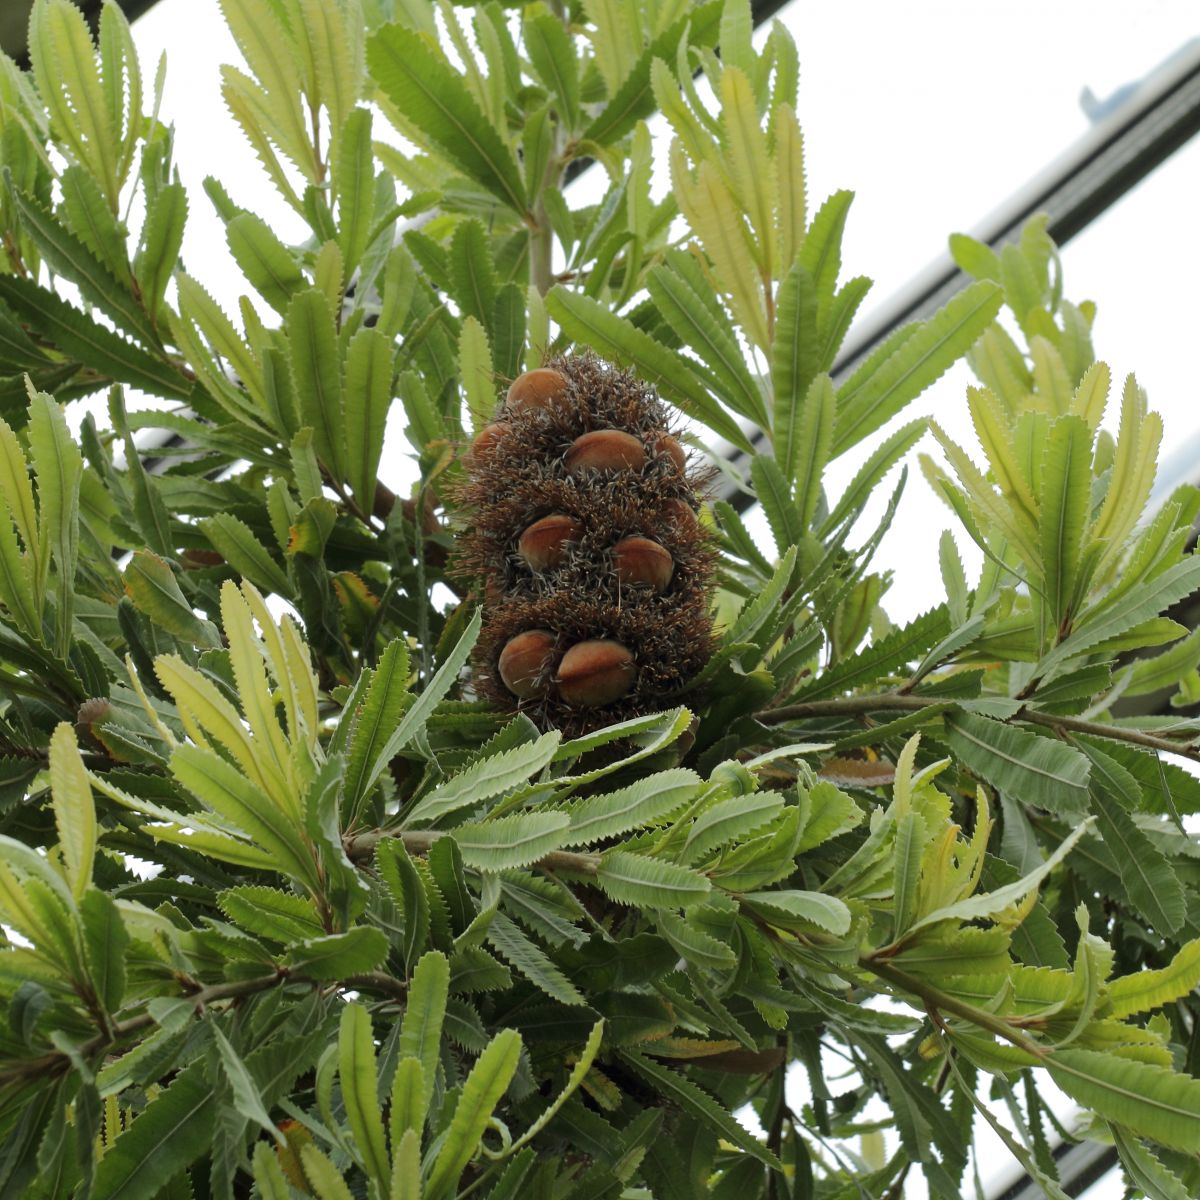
(680, 514)
(641, 560)
(579, 529)
(526, 662)
(595, 673)
(607, 450)
(543, 388)
(486, 439)
(544, 544)
(665, 446)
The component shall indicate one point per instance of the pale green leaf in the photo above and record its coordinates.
(357, 1075)
(591, 323)
(513, 841)
(1033, 769)
(74, 810)
(877, 391)
(680, 1092)
(486, 778)
(421, 1027)
(1151, 1101)
(236, 542)
(413, 721)
(487, 1082)
(637, 806)
(416, 78)
(532, 961)
(649, 883)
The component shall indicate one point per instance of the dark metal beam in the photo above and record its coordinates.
(14, 22)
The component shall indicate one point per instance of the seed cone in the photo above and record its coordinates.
(582, 531)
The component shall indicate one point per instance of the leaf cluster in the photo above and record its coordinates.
(288, 910)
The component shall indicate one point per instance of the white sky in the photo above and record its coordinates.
(934, 112)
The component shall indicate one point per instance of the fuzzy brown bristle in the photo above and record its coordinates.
(598, 455)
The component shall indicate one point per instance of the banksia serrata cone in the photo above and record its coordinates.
(583, 540)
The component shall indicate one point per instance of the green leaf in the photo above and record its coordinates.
(594, 324)
(821, 252)
(162, 238)
(813, 439)
(74, 811)
(322, 1175)
(633, 99)
(339, 955)
(270, 913)
(1158, 671)
(235, 541)
(728, 821)
(421, 1027)
(241, 802)
(367, 395)
(68, 256)
(889, 452)
(1144, 1171)
(689, 940)
(379, 714)
(649, 883)
(1147, 990)
(487, 1082)
(486, 778)
(1153, 887)
(105, 941)
(1111, 619)
(696, 1103)
(473, 272)
(795, 361)
(512, 841)
(264, 259)
(416, 78)
(413, 721)
(532, 961)
(475, 370)
(774, 493)
(58, 466)
(879, 390)
(268, 1174)
(357, 1075)
(86, 341)
(553, 57)
(703, 324)
(247, 1099)
(150, 584)
(1152, 1101)
(1036, 770)
(1063, 501)
(354, 186)
(406, 1170)
(896, 649)
(316, 372)
(173, 1130)
(989, 904)
(637, 806)
(788, 907)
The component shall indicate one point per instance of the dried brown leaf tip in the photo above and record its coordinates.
(580, 505)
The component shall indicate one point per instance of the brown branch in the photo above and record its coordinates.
(939, 1002)
(845, 706)
(56, 1062)
(419, 841)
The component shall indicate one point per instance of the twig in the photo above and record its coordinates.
(420, 841)
(846, 706)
